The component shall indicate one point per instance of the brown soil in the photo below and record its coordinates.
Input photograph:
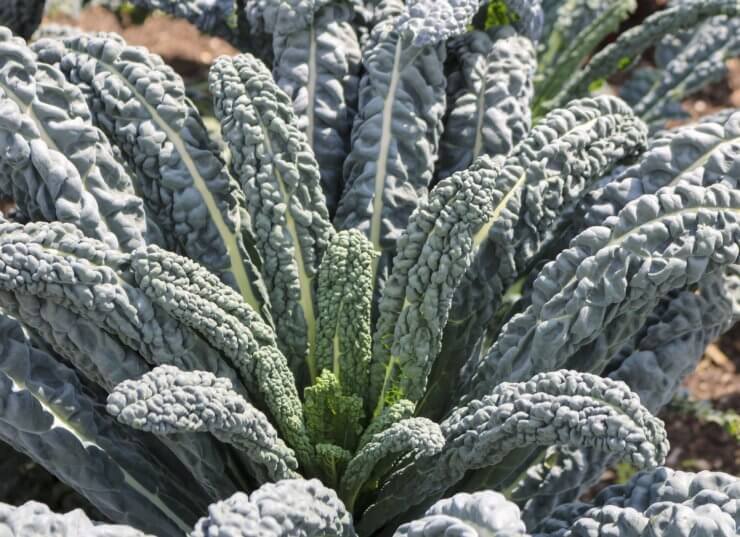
(697, 444)
(183, 47)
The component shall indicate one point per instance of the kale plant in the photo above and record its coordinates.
(422, 283)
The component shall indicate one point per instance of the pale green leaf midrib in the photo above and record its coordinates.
(236, 265)
(388, 377)
(304, 280)
(311, 86)
(481, 235)
(382, 162)
(63, 423)
(703, 159)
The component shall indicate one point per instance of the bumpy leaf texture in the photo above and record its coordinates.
(334, 415)
(79, 283)
(414, 436)
(673, 341)
(668, 347)
(54, 262)
(61, 167)
(168, 400)
(140, 103)
(478, 232)
(345, 306)
(670, 343)
(559, 408)
(661, 503)
(467, 515)
(33, 518)
(490, 114)
(195, 297)
(317, 64)
(685, 63)
(597, 293)
(290, 508)
(396, 134)
(280, 179)
(49, 415)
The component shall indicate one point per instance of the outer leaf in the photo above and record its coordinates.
(561, 476)
(345, 305)
(490, 223)
(703, 154)
(47, 414)
(61, 167)
(481, 513)
(60, 274)
(597, 293)
(662, 503)
(25, 480)
(491, 114)
(97, 355)
(414, 436)
(33, 518)
(317, 64)
(289, 508)
(196, 297)
(563, 407)
(140, 104)
(671, 343)
(674, 336)
(396, 134)
(54, 262)
(280, 179)
(674, 342)
(632, 43)
(168, 400)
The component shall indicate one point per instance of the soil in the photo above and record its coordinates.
(696, 444)
(183, 47)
